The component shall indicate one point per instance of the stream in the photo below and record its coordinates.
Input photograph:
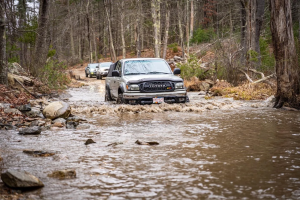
(208, 149)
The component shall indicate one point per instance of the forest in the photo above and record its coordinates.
(252, 40)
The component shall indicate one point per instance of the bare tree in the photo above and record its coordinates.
(285, 54)
(40, 44)
(155, 10)
(112, 48)
(167, 26)
(3, 67)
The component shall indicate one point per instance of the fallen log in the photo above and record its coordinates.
(34, 95)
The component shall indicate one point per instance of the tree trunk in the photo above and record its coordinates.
(285, 54)
(3, 66)
(187, 28)
(180, 30)
(166, 31)
(112, 48)
(71, 32)
(121, 11)
(155, 7)
(243, 32)
(40, 44)
(192, 19)
(138, 30)
(260, 10)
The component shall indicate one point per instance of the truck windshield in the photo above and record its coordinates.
(105, 65)
(136, 67)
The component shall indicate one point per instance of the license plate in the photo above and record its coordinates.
(158, 100)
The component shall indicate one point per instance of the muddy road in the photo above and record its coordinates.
(208, 149)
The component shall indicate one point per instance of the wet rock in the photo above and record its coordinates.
(63, 174)
(72, 125)
(34, 123)
(13, 111)
(20, 179)
(35, 130)
(57, 109)
(83, 126)
(75, 119)
(24, 108)
(89, 141)
(34, 112)
(59, 122)
(115, 144)
(35, 153)
(202, 93)
(7, 127)
(146, 143)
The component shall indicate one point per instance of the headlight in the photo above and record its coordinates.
(179, 85)
(133, 87)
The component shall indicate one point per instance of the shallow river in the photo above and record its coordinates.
(243, 151)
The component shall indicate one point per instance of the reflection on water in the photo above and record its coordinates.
(233, 154)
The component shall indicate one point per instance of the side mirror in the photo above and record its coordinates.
(176, 71)
(115, 73)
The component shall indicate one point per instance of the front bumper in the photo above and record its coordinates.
(147, 98)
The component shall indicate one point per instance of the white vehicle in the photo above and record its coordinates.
(144, 81)
(102, 70)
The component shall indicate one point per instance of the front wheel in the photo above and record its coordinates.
(100, 77)
(86, 75)
(120, 99)
(107, 95)
(97, 76)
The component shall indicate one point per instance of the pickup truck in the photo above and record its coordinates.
(144, 81)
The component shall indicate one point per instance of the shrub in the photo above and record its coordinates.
(53, 74)
(203, 35)
(191, 69)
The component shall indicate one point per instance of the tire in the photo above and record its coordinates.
(100, 77)
(120, 99)
(107, 95)
(86, 75)
(97, 76)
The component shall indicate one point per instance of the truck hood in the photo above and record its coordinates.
(152, 77)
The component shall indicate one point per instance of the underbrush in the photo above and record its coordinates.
(246, 91)
(54, 75)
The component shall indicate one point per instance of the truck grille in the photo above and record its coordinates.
(159, 86)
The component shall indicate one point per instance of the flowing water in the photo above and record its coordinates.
(208, 149)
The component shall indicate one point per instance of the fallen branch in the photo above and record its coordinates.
(247, 76)
(265, 78)
(35, 96)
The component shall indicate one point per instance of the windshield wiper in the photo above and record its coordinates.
(134, 73)
(158, 73)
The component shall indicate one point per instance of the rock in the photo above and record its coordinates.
(72, 125)
(34, 123)
(35, 153)
(34, 112)
(13, 111)
(146, 143)
(202, 93)
(89, 141)
(57, 109)
(59, 122)
(115, 144)
(23, 108)
(204, 86)
(7, 127)
(63, 174)
(83, 126)
(20, 179)
(75, 119)
(17, 69)
(4, 105)
(35, 130)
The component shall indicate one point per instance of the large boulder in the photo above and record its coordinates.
(20, 179)
(57, 109)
